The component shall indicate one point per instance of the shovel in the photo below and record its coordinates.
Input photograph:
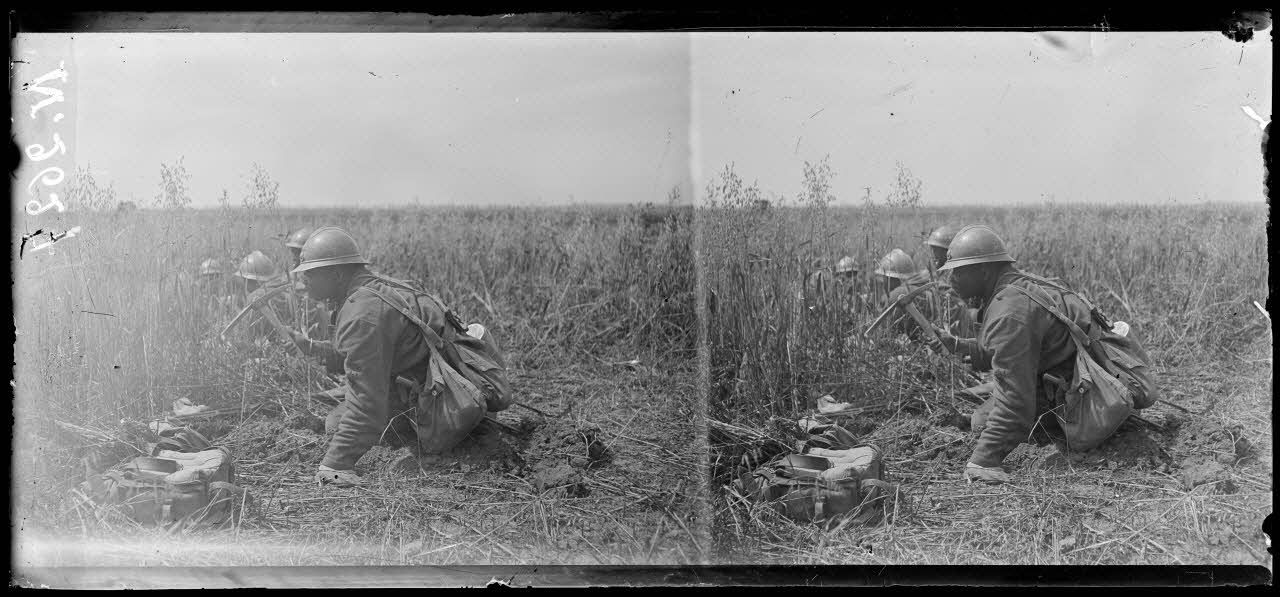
(904, 302)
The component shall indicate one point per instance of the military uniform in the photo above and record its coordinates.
(925, 302)
(1019, 341)
(373, 344)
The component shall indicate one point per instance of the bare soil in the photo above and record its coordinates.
(1193, 491)
(601, 477)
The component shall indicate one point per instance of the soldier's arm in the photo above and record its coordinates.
(368, 351)
(324, 352)
(1015, 360)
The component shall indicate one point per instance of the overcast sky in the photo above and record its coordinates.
(523, 118)
(341, 119)
(987, 117)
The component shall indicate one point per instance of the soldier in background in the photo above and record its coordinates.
(949, 305)
(898, 272)
(214, 288)
(260, 276)
(310, 315)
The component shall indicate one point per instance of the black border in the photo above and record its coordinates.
(562, 18)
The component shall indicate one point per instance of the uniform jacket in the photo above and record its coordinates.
(374, 344)
(1020, 341)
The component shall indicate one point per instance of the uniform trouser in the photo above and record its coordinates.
(1043, 422)
(399, 431)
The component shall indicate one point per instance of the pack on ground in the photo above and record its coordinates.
(823, 481)
(172, 488)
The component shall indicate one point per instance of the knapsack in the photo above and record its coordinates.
(814, 488)
(1123, 356)
(465, 377)
(823, 480)
(472, 349)
(1101, 393)
(174, 488)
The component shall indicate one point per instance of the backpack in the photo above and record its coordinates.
(824, 479)
(173, 488)
(1123, 356)
(470, 349)
(465, 377)
(1096, 401)
(823, 485)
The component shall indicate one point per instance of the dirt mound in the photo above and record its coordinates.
(265, 441)
(558, 453)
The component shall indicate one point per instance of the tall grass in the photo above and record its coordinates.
(1183, 276)
(111, 325)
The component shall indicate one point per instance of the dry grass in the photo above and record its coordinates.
(590, 304)
(1182, 276)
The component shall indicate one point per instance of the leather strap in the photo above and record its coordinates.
(1077, 333)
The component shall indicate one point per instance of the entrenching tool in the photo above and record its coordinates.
(257, 298)
(905, 303)
(258, 302)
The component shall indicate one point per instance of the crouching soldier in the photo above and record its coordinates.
(382, 352)
(950, 306)
(1023, 341)
(309, 315)
(898, 271)
(828, 294)
(259, 275)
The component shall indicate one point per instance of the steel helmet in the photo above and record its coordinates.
(845, 265)
(897, 264)
(298, 237)
(941, 237)
(974, 245)
(212, 267)
(256, 266)
(328, 246)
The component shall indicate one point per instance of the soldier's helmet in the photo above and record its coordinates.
(298, 237)
(846, 265)
(328, 246)
(974, 245)
(212, 267)
(941, 237)
(897, 264)
(256, 266)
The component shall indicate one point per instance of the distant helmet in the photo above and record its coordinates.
(256, 266)
(941, 237)
(298, 237)
(974, 245)
(897, 264)
(328, 246)
(846, 265)
(212, 267)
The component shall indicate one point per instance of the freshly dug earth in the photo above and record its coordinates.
(592, 482)
(1192, 491)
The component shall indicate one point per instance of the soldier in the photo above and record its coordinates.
(213, 286)
(938, 242)
(259, 275)
(373, 343)
(825, 291)
(1020, 341)
(310, 315)
(950, 306)
(898, 271)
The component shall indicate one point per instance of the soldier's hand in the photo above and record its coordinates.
(300, 340)
(943, 339)
(990, 475)
(337, 478)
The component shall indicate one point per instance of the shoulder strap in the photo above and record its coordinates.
(429, 334)
(1077, 333)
